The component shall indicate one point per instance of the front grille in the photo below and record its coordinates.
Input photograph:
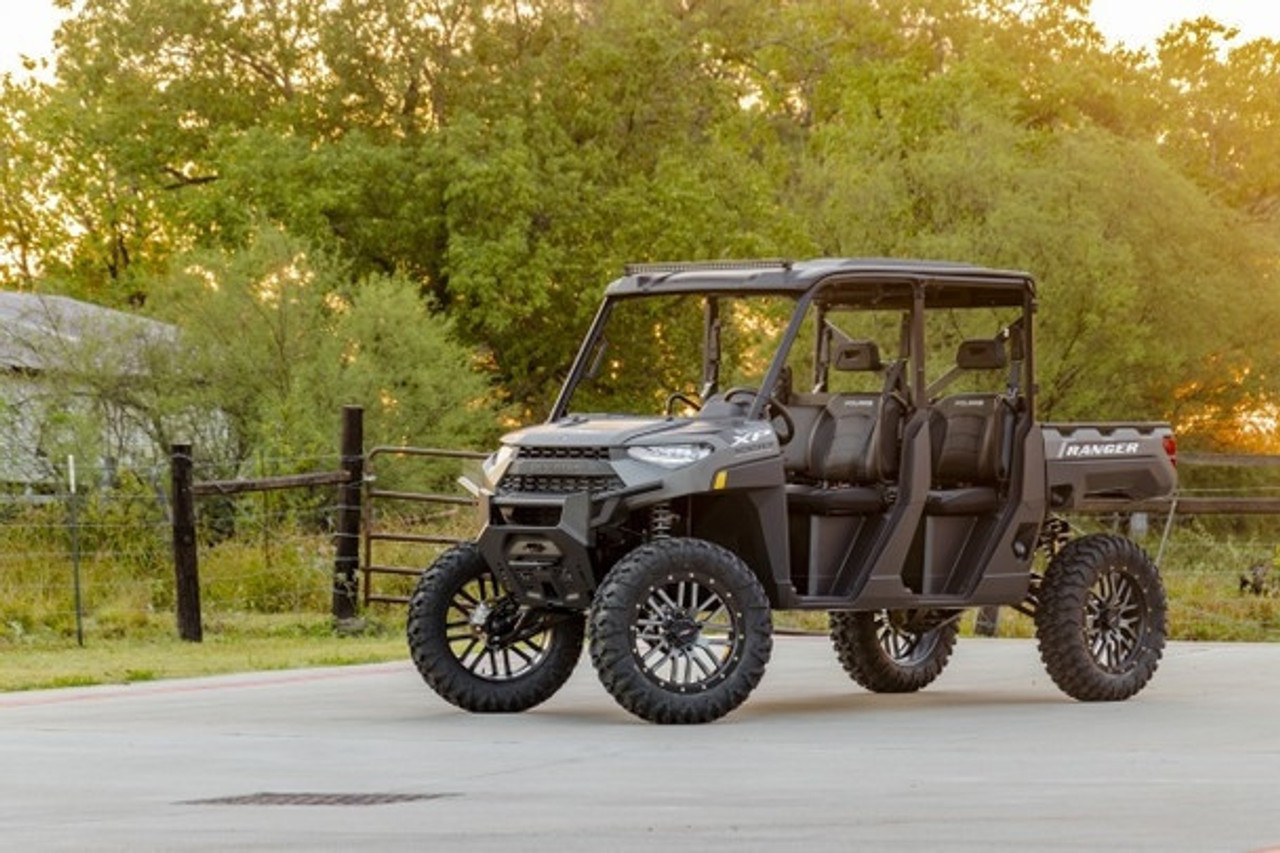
(557, 485)
(559, 471)
(563, 453)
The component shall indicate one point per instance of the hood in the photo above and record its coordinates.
(610, 431)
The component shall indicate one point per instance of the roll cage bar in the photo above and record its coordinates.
(909, 287)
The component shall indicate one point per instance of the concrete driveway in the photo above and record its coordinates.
(991, 757)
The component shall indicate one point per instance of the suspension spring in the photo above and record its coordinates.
(1054, 535)
(661, 521)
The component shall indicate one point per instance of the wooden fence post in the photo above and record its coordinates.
(346, 561)
(185, 561)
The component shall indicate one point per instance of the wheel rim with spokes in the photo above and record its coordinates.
(901, 645)
(685, 637)
(1113, 620)
(474, 612)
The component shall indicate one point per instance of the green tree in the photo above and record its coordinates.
(1221, 107)
(276, 337)
(507, 158)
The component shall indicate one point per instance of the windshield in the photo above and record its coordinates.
(690, 344)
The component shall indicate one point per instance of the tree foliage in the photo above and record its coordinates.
(499, 161)
(277, 337)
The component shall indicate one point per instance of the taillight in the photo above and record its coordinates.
(1171, 449)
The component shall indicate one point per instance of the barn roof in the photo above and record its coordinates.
(36, 328)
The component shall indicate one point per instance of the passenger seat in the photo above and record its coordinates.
(852, 448)
(968, 440)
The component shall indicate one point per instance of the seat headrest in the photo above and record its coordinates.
(981, 354)
(857, 355)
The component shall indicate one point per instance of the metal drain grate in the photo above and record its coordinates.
(267, 798)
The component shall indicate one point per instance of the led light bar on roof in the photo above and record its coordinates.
(702, 266)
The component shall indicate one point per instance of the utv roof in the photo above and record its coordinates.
(885, 281)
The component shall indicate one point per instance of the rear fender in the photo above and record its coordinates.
(1121, 461)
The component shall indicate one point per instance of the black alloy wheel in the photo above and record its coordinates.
(894, 651)
(1100, 618)
(477, 648)
(680, 631)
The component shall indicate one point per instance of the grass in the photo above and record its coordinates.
(243, 643)
(259, 642)
(264, 607)
(264, 601)
(1204, 605)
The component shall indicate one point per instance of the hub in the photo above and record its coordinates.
(681, 631)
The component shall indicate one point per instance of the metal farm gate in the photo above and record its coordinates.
(374, 530)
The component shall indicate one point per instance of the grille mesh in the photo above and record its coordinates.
(561, 485)
(563, 453)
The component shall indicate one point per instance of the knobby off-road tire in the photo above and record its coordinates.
(882, 651)
(452, 616)
(1100, 618)
(680, 631)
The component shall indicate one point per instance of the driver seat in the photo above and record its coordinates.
(852, 448)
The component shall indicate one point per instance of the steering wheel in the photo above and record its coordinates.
(773, 410)
(681, 397)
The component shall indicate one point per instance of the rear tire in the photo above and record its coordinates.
(476, 648)
(680, 631)
(892, 651)
(1100, 618)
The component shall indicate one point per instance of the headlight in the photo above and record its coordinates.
(496, 465)
(670, 455)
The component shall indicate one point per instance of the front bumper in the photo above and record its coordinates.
(541, 548)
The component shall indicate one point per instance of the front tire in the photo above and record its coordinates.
(893, 651)
(1100, 618)
(476, 648)
(680, 631)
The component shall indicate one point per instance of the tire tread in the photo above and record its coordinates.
(858, 648)
(1062, 600)
(441, 670)
(611, 640)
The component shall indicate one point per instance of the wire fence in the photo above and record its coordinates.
(1220, 570)
(100, 564)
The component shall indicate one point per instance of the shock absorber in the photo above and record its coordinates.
(1054, 535)
(661, 521)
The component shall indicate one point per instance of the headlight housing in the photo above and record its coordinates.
(496, 464)
(670, 455)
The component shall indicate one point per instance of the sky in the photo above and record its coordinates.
(1138, 23)
(27, 29)
(29, 24)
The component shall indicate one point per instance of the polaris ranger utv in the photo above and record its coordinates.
(856, 436)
